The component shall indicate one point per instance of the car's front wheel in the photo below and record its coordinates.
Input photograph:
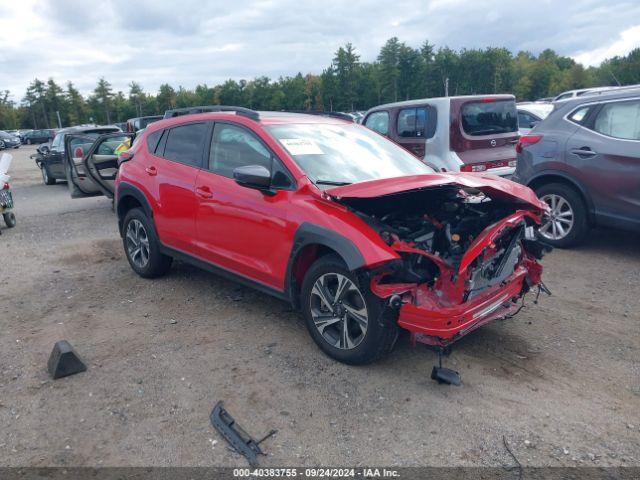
(566, 223)
(345, 319)
(1, 145)
(142, 247)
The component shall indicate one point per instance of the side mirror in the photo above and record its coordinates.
(44, 149)
(254, 176)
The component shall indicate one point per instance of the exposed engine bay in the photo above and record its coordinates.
(433, 229)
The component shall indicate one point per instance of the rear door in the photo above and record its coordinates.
(91, 162)
(484, 133)
(413, 127)
(604, 154)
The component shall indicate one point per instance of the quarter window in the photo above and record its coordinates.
(185, 143)
(579, 115)
(152, 140)
(378, 122)
(619, 120)
(412, 122)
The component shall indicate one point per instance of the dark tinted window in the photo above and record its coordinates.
(378, 122)
(153, 139)
(233, 147)
(619, 120)
(184, 143)
(525, 120)
(412, 122)
(488, 118)
(145, 122)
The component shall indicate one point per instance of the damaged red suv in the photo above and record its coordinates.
(350, 228)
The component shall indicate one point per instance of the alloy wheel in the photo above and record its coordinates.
(557, 224)
(339, 311)
(137, 243)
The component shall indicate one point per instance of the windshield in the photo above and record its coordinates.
(342, 154)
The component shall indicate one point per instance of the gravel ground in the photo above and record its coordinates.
(561, 381)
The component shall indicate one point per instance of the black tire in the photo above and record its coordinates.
(157, 263)
(28, 141)
(1, 145)
(46, 176)
(9, 219)
(578, 231)
(381, 330)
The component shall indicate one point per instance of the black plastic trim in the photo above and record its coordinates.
(308, 234)
(125, 189)
(223, 272)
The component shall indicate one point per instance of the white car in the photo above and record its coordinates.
(530, 114)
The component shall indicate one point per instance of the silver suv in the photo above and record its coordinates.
(583, 160)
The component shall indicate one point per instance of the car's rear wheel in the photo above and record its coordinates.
(346, 320)
(28, 141)
(142, 247)
(1, 145)
(566, 224)
(46, 176)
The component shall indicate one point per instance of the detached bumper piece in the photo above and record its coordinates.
(240, 440)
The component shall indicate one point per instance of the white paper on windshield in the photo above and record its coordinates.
(301, 146)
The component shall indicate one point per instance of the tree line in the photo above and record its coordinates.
(400, 72)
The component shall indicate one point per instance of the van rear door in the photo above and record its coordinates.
(484, 132)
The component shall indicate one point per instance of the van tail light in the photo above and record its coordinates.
(78, 152)
(488, 100)
(476, 167)
(527, 140)
(124, 157)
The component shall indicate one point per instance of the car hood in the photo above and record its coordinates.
(491, 185)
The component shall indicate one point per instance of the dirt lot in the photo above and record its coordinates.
(561, 381)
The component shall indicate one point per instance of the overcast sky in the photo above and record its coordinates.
(187, 42)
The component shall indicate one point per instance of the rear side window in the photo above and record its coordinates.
(619, 120)
(185, 143)
(412, 122)
(153, 139)
(579, 115)
(378, 122)
(489, 118)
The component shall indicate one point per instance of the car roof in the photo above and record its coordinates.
(441, 100)
(90, 129)
(536, 108)
(265, 118)
(595, 97)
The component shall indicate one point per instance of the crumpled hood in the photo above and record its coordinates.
(491, 185)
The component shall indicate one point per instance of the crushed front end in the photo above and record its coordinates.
(465, 257)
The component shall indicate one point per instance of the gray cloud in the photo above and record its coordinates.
(190, 42)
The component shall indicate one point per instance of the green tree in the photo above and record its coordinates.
(103, 95)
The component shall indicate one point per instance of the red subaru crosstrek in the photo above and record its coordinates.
(346, 225)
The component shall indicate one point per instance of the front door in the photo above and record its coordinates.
(242, 229)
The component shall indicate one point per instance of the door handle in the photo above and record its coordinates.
(584, 152)
(151, 170)
(204, 192)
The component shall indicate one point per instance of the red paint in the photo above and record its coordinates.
(250, 233)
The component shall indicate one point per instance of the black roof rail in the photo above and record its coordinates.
(340, 115)
(245, 112)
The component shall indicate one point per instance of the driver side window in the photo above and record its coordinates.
(233, 147)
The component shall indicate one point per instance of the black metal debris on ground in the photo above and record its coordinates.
(240, 440)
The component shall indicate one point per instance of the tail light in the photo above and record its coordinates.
(527, 140)
(78, 152)
(476, 167)
(5, 186)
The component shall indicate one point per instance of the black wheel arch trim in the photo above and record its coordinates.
(571, 180)
(309, 234)
(126, 189)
